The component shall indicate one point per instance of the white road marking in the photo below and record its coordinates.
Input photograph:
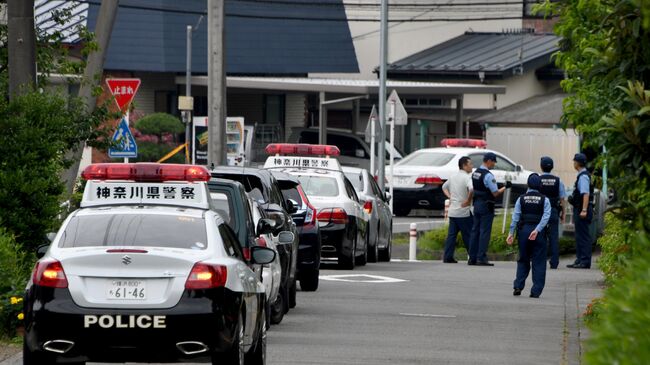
(427, 315)
(363, 278)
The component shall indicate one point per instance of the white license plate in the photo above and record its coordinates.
(126, 290)
(402, 180)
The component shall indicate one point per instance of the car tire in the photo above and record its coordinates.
(257, 355)
(363, 259)
(278, 307)
(309, 280)
(385, 254)
(267, 314)
(401, 212)
(373, 255)
(347, 262)
(236, 355)
(292, 294)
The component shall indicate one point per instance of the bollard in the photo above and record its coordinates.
(413, 242)
(447, 203)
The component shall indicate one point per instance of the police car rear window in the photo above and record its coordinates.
(319, 186)
(356, 179)
(141, 230)
(427, 159)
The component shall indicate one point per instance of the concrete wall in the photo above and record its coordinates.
(527, 144)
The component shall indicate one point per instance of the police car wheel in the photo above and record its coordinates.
(235, 356)
(373, 255)
(309, 280)
(34, 358)
(385, 254)
(267, 314)
(277, 308)
(292, 294)
(257, 355)
(347, 262)
(363, 259)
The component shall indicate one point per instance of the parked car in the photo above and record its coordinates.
(419, 176)
(264, 188)
(355, 151)
(308, 231)
(376, 204)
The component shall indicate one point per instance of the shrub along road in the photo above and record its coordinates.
(442, 313)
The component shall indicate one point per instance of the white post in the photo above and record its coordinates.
(392, 151)
(506, 202)
(447, 204)
(372, 146)
(413, 242)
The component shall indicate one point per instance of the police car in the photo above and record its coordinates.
(419, 176)
(341, 218)
(146, 271)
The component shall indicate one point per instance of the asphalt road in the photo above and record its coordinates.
(439, 314)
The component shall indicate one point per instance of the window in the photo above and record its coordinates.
(427, 159)
(350, 190)
(230, 242)
(319, 186)
(291, 192)
(503, 164)
(252, 185)
(166, 102)
(356, 179)
(142, 230)
(477, 160)
(308, 137)
(276, 194)
(375, 188)
(349, 146)
(274, 109)
(223, 206)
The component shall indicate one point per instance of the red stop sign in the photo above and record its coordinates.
(123, 91)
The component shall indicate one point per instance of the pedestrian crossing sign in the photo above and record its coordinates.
(123, 143)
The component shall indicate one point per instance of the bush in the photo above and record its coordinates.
(615, 248)
(16, 266)
(621, 332)
(159, 124)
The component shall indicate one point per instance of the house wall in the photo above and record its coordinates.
(145, 99)
(295, 112)
(527, 144)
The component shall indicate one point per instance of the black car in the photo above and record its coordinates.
(308, 230)
(265, 189)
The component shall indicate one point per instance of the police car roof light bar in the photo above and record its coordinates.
(302, 149)
(463, 142)
(145, 172)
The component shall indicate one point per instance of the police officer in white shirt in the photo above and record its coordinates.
(459, 190)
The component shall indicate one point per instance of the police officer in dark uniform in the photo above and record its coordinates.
(530, 217)
(485, 194)
(553, 189)
(583, 210)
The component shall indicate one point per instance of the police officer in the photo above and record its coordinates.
(485, 194)
(530, 217)
(553, 189)
(581, 199)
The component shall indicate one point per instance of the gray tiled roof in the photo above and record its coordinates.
(542, 109)
(149, 40)
(495, 54)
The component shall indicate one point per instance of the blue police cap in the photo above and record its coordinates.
(534, 181)
(581, 158)
(490, 156)
(546, 162)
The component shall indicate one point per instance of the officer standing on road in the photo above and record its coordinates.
(553, 189)
(581, 199)
(530, 217)
(485, 194)
(459, 191)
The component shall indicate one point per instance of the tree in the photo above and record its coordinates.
(158, 135)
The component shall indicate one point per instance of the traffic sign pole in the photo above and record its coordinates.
(126, 116)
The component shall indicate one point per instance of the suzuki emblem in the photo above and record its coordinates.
(126, 259)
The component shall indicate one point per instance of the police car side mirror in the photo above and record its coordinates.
(519, 168)
(51, 236)
(292, 206)
(262, 255)
(286, 238)
(388, 197)
(265, 226)
(41, 251)
(278, 217)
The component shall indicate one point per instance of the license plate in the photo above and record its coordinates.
(402, 180)
(126, 290)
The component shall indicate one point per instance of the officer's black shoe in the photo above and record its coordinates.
(534, 295)
(471, 262)
(578, 266)
(554, 267)
(484, 263)
(571, 266)
(516, 292)
(452, 261)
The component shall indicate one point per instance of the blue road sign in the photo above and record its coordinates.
(124, 142)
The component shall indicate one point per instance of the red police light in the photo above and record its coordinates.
(206, 276)
(302, 149)
(145, 172)
(429, 180)
(463, 142)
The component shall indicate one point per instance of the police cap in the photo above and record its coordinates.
(580, 158)
(490, 156)
(534, 181)
(546, 162)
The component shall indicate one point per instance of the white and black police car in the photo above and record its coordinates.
(146, 271)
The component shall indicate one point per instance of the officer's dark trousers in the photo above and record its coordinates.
(554, 237)
(583, 237)
(481, 231)
(456, 225)
(531, 252)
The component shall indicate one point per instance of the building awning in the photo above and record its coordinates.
(446, 114)
(349, 86)
(538, 110)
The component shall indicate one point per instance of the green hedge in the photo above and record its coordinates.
(615, 249)
(16, 266)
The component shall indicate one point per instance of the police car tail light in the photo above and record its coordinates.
(145, 172)
(50, 273)
(261, 241)
(333, 215)
(302, 149)
(310, 214)
(367, 206)
(463, 142)
(206, 276)
(429, 180)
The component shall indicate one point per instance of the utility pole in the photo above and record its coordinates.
(216, 84)
(188, 92)
(93, 75)
(22, 46)
(383, 58)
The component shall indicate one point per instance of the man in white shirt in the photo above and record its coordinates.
(459, 190)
